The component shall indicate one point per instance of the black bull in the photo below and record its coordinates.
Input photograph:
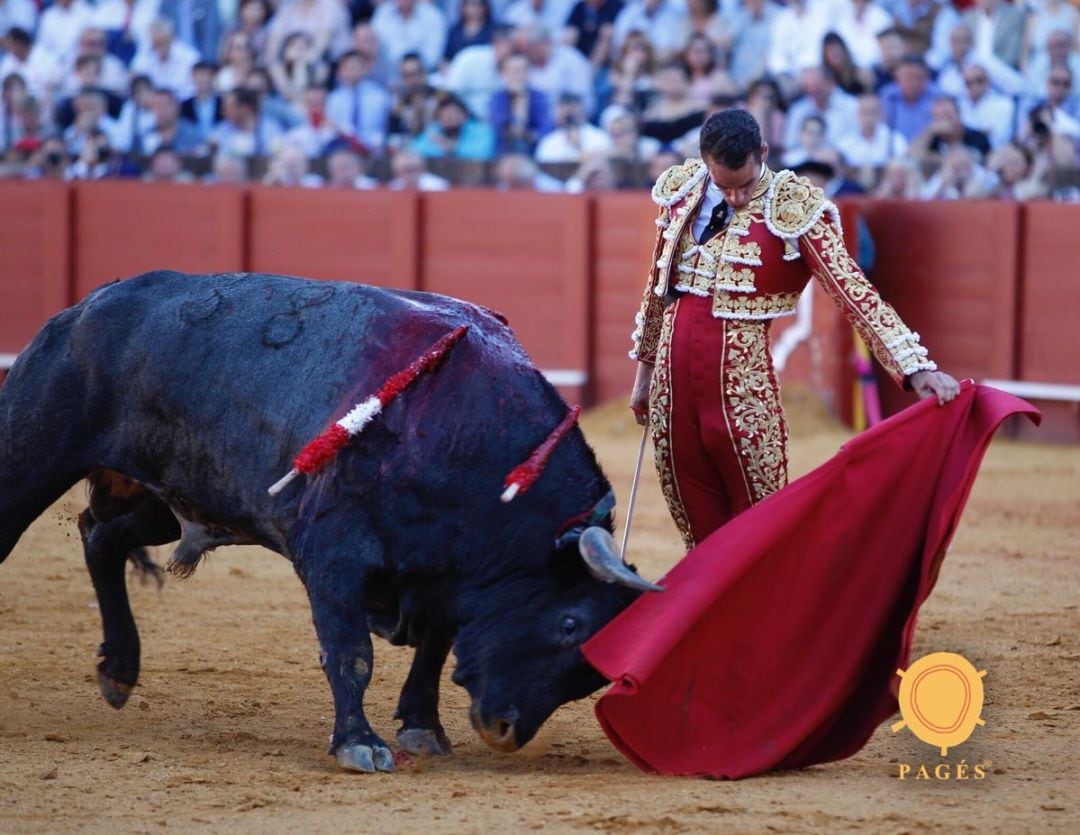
(182, 398)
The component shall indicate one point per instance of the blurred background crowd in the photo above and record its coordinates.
(896, 98)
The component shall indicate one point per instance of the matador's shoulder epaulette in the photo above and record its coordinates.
(675, 183)
(793, 205)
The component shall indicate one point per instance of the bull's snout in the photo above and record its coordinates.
(497, 731)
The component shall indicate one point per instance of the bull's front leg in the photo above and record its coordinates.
(336, 591)
(418, 708)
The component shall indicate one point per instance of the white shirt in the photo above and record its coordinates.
(552, 16)
(860, 34)
(428, 182)
(884, 145)
(797, 36)
(111, 14)
(474, 76)
(665, 28)
(40, 70)
(173, 71)
(21, 13)
(59, 28)
(713, 197)
(993, 114)
(567, 71)
(423, 32)
(839, 115)
(558, 145)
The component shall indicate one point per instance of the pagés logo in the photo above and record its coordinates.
(941, 697)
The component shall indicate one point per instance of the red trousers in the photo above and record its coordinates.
(718, 427)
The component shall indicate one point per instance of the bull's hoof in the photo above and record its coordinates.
(424, 741)
(116, 693)
(365, 758)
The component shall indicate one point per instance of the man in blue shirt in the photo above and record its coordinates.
(909, 100)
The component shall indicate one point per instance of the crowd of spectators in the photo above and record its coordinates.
(899, 98)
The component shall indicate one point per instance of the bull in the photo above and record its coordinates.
(180, 398)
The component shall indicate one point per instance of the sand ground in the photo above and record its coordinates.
(227, 730)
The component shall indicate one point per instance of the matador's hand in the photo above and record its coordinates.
(937, 383)
(639, 396)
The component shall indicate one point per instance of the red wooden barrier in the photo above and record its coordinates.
(623, 234)
(525, 255)
(1049, 292)
(365, 236)
(123, 228)
(35, 252)
(950, 270)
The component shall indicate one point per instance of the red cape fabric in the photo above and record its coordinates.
(776, 642)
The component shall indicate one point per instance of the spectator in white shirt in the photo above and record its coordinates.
(823, 98)
(962, 52)
(405, 26)
(167, 61)
(859, 22)
(555, 68)
(19, 13)
(60, 26)
(345, 169)
(39, 69)
(245, 132)
(1057, 51)
(114, 75)
(664, 23)
(473, 75)
(315, 132)
(547, 14)
(983, 109)
(872, 144)
(798, 30)
(324, 21)
(289, 166)
(409, 171)
(90, 117)
(131, 17)
(574, 139)
(359, 108)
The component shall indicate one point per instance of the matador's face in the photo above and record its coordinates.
(738, 184)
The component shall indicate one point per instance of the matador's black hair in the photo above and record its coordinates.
(730, 137)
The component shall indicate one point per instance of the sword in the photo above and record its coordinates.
(633, 491)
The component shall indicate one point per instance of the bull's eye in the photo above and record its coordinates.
(568, 627)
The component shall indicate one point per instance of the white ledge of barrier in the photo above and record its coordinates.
(1037, 391)
(6, 361)
(565, 376)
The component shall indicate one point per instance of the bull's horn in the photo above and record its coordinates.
(597, 548)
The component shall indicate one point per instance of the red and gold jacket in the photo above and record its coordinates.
(759, 266)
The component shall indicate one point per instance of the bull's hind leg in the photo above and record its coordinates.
(107, 546)
(418, 708)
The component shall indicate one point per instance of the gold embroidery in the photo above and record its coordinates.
(659, 421)
(752, 408)
(793, 206)
(895, 346)
(737, 251)
(766, 306)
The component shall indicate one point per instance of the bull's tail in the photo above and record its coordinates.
(42, 443)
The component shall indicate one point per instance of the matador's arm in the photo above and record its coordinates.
(896, 346)
(650, 315)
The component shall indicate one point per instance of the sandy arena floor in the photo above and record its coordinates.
(228, 727)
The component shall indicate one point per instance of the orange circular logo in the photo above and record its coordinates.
(941, 697)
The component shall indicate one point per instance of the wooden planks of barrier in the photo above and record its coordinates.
(35, 253)
(525, 255)
(950, 270)
(365, 236)
(122, 228)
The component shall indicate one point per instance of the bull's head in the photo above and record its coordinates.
(519, 656)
